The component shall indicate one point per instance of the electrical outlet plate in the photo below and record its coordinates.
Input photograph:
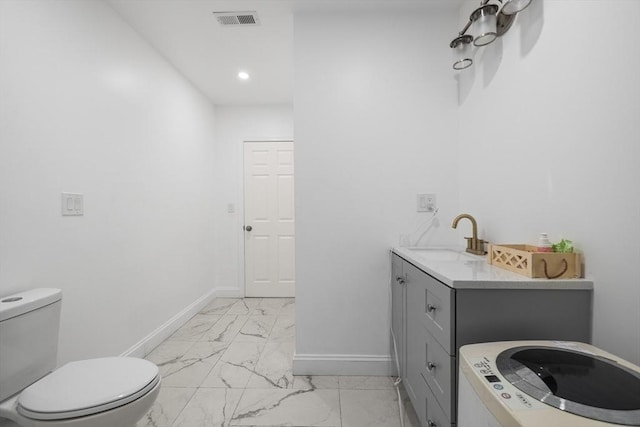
(72, 204)
(426, 202)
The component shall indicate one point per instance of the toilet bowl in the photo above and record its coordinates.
(102, 392)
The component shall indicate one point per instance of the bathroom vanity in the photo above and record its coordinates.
(443, 299)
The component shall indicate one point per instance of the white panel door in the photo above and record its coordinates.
(269, 219)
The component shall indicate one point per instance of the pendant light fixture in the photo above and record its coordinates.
(487, 22)
(511, 7)
(461, 46)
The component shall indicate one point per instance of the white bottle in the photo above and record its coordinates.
(544, 245)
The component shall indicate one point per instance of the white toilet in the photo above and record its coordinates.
(105, 392)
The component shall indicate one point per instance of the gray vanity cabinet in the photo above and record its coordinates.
(398, 319)
(430, 373)
(430, 321)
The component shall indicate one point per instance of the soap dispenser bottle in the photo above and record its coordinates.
(544, 245)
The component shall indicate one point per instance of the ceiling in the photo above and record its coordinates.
(210, 55)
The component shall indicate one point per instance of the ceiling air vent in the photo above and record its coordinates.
(237, 18)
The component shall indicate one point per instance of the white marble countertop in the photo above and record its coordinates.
(461, 270)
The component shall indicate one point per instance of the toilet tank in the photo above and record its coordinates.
(29, 325)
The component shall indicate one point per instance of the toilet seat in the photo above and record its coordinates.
(87, 387)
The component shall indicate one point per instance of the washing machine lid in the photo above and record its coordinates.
(87, 387)
(580, 383)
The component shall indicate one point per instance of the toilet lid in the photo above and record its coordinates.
(88, 386)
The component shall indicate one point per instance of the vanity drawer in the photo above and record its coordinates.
(438, 370)
(429, 413)
(434, 416)
(436, 305)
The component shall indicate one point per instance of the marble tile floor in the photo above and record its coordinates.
(231, 365)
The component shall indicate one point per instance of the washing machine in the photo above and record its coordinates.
(545, 384)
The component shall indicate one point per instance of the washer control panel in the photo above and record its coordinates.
(507, 393)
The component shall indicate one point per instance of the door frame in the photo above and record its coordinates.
(240, 206)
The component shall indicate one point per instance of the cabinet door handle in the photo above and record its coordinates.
(431, 307)
(431, 366)
(400, 280)
(431, 424)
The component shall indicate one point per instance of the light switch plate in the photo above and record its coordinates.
(72, 204)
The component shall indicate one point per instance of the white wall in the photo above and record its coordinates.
(86, 106)
(375, 124)
(234, 125)
(549, 125)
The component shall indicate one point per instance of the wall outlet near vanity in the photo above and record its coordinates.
(426, 202)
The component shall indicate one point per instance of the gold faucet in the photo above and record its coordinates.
(474, 245)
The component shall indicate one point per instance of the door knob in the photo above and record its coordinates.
(248, 228)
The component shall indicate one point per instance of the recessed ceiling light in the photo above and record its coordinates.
(243, 75)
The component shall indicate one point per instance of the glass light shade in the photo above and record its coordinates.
(461, 48)
(484, 24)
(512, 7)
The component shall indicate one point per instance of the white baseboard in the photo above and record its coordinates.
(151, 341)
(303, 364)
(229, 292)
(342, 364)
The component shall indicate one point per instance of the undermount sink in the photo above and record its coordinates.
(445, 254)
